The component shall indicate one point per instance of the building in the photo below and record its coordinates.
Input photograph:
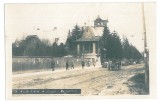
(88, 46)
(31, 44)
(99, 25)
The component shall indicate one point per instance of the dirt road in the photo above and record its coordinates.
(92, 81)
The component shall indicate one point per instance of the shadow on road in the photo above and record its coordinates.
(136, 84)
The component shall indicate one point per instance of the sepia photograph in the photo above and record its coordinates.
(80, 50)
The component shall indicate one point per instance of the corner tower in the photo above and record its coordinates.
(99, 25)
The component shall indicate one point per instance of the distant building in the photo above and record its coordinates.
(88, 46)
(31, 43)
(32, 40)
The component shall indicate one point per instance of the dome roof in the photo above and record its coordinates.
(88, 32)
(31, 36)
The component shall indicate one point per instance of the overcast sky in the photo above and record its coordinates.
(125, 18)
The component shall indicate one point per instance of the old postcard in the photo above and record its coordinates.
(80, 50)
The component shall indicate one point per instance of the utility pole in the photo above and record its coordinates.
(145, 52)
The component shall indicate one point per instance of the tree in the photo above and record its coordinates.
(72, 37)
(55, 49)
(112, 45)
(46, 47)
(130, 51)
(76, 33)
(46, 42)
(33, 46)
(61, 50)
(105, 39)
(117, 47)
(126, 48)
(18, 48)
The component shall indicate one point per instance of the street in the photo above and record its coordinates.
(91, 81)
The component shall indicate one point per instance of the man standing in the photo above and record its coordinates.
(110, 65)
(53, 65)
(88, 63)
(119, 65)
(83, 63)
(94, 63)
(67, 65)
(72, 64)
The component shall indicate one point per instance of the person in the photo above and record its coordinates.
(88, 63)
(83, 64)
(119, 65)
(67, 65)
(72, 64)
(94, 63)
(52, 65)
(107, 64)
(110, 65)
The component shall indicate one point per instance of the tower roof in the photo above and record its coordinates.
(98, 18)
(88, 32)
(88, 35)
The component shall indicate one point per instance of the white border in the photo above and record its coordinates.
(2, 41)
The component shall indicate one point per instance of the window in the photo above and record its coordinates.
(88, 48)
(97, 48)
(101, 23)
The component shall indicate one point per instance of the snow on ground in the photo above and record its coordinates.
(91, 80)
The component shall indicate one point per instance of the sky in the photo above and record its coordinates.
(125, 18)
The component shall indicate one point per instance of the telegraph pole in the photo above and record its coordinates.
(145, 52)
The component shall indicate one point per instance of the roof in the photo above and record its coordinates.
(32, 36)
(88, 39)
(98, 18)
(88, 35)
(88, 32)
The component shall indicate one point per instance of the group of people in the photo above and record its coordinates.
(82, 64)
(71, 64)
(53, 64)
(88, 63)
